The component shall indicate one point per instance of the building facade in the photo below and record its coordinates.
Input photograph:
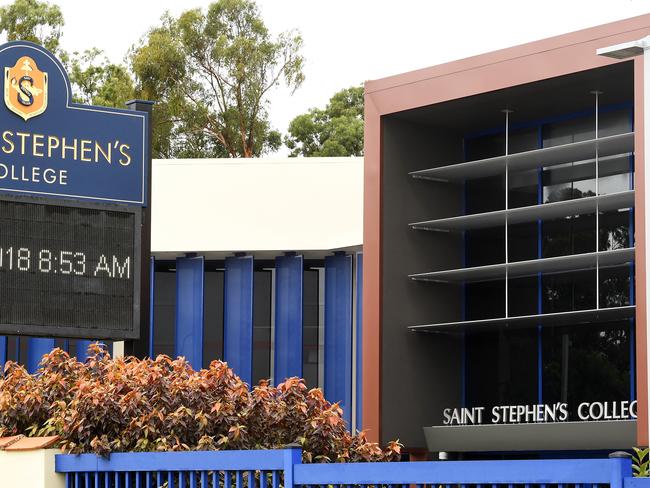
(476, 285)
(504, 247)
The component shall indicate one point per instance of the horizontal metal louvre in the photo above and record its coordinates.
(548, 156)
(559, 264)
(547, 211)
(556, 319)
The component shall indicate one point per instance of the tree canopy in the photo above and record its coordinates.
(210, 74)
(97, 81)
(336, 130)
(31, 20)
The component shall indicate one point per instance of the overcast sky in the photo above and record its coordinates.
(349, 41)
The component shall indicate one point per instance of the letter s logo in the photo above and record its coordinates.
(24, 95)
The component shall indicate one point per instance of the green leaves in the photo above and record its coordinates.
(210, 73)
(641, 462)
(31, 20)
(336, 130)
(96, 81)
(128, 404)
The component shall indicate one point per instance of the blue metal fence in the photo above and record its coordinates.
(225, 469)
(283, 468)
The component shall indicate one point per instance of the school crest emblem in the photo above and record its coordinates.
(25, 88)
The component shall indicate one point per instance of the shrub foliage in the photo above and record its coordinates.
(128, 404)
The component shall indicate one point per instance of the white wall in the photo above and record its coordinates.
(32, 468)
(228, 205)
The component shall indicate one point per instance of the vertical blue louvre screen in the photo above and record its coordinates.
(288, 317)
(338, 332)
(238, 316)
(3, 353)
(82, 349)
(189, 310)
(36, 349)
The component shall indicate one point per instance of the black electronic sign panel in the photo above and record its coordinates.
(69, 270)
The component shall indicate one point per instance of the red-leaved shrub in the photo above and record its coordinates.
(129, 404)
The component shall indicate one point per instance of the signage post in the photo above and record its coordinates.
(141, 347)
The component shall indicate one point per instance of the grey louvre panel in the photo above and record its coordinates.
(548, 156)
(547, 211)
(560, 264)
(556, 319)
(532, 437)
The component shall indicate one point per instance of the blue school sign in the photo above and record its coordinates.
(53, 147)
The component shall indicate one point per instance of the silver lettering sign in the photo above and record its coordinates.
(539, 413)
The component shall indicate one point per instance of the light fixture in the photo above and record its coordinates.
(626, 49)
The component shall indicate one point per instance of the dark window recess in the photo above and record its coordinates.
(485, 194)
(615, 286)
(568, 182)
(586, 364)
(564, 292)
(522, 296)
(501, 368)
(615, 230)
(522, 185)
(484, 300)
(261, 326)
(568, 131)
(484, 246)
(575, 235)
(615, 122)
(164, 313)
(483, 147)
(212, 317)
(522, 241)
(523, 188)
(310, 328)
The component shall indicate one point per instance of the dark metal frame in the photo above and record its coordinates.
(74, 332)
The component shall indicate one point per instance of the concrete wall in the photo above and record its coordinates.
(229, 205)
(33, 469)
(420, 372)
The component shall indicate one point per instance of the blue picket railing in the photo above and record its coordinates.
(283, 468)
(196, 469)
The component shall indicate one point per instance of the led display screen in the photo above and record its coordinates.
(68, 270)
